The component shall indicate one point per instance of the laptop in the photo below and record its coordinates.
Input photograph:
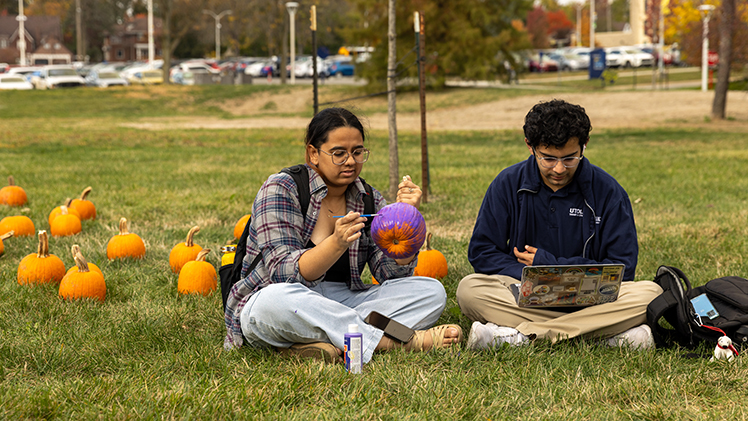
(568, 285)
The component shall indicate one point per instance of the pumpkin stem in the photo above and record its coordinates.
(81, 262)
(68, 202)
(42, 251)
(194, 230)
(7, 235)
(123, 226)
(63, 210)
(428, 241)
(85, 193)
(11, 181)
(75, 249)
(201, 256)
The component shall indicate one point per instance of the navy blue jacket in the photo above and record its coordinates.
(608, 234)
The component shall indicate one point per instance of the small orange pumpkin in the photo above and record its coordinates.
(125, 244)
(85, 207)
(3, 238)
(41, 267)
(65, 224)
(197, 276)
(58, 210)
(184, 252)
(431, 263)
(239, 227)
(22, 226)
(12, 195)
(75, 249)
(83, 283)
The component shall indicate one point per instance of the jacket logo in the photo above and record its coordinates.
(576, 212)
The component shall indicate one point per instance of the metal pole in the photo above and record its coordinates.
(21, 33)
(579, 24)
(292, 6)
(78, 32)
(151, 46)
(218, 28)
(420, 47)
(315, 92)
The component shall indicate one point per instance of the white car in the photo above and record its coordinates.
(192, 66)
(58, 76)
(627, 57)
(304, 67)
(104, 79)
(25, 72)
(8, 81)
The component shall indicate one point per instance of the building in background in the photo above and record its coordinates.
(129, 41)
(43, 36)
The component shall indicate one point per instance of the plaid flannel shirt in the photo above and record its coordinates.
(280, 232)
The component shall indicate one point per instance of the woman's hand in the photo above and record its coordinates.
(408, 192)
(348, 229)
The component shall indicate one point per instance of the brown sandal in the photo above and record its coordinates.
(437, 338)
(321, 351)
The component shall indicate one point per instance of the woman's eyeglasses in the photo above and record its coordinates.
(339, 157)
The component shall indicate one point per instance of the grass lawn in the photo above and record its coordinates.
(147, 352)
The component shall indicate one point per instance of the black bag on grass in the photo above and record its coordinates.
(728, 295)
(230, 273)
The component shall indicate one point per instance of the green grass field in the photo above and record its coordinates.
(147, 352)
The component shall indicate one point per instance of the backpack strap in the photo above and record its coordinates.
(674, 305)
(369, 206)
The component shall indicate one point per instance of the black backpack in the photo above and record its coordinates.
(728, 296)
(230, 273)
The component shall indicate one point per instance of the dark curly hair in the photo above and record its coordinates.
(556, 122)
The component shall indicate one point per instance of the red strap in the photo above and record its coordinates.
(716, 329)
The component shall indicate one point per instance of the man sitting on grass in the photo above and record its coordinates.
(555, 208)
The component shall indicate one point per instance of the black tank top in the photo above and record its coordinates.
(340, 270)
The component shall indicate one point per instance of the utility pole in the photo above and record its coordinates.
(151, 47)
(79, 53)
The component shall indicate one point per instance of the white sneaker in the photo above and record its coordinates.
(489, 335)
(639, 337)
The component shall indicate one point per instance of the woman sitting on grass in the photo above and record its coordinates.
(307, 287)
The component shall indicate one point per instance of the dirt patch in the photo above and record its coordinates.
(263, 102)
(607, 110)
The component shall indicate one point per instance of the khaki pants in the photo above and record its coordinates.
(488, 298)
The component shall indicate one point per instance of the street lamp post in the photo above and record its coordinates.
(218, 29)
(579, 7)
(292, 6)
(21, 18)
(593, 19)
(706, 11)
(151, 43)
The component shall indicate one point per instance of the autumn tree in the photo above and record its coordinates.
(464, 39)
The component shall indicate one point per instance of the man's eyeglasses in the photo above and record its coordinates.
(339, 157)
(552, 161)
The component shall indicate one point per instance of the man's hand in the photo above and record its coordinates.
(526, 257)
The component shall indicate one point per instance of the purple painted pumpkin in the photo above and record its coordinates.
(399, 230)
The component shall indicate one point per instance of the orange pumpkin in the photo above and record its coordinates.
(125, 244)
(3, 238)
(58, 211)
(431, 263)
(12, 195)
(22, 226)
(41, 267)
(65, 224)
(75, 249)
(85, 207)
(83, 283)
(197, 276)
(399, 230)
(239, 227)
(184, 252)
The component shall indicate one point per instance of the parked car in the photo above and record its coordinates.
(146, 77)
(25, 72)
(542, 63)
(104, 79)
(304, 67)
(58, 76)
(570, 61)
(340, 66)
(260, 68)
(188, 77)
(192, 66)
(627, 57)
(4, 67)
(667, 57)
(9, 81)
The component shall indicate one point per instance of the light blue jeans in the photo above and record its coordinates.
(281, 315)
